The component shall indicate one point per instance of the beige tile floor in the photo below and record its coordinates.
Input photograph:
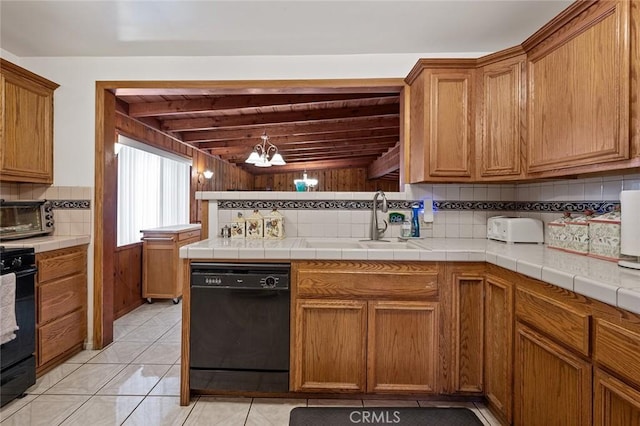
(136, 379)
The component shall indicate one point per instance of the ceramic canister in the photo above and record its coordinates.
(604, 236)
(274, 225)
(578, 234)
(238, 227)
(556, 234)
(254, 225)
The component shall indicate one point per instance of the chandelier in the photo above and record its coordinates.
(265, 154)
(305, 183)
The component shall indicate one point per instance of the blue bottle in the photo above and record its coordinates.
(415, 220)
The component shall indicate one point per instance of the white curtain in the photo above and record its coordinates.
(153, 191)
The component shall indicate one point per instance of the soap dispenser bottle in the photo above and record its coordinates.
(415, 220)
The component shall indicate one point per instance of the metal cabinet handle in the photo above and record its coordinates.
(157, 238)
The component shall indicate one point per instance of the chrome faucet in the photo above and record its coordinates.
(376, 232)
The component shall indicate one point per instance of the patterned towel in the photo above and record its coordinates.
(8, 324)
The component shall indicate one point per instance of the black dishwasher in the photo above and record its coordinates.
(239, 327)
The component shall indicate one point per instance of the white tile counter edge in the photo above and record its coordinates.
(599, 279)
(43, 244)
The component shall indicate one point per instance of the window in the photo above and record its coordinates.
(153, 190)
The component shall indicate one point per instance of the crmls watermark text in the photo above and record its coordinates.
(374, 417)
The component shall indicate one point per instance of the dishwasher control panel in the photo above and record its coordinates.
(245, 276)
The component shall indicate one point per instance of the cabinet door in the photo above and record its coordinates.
(402, 347)
(159, 267)
(467, 329)
(615, 403)
(498, 367)
(502, 104)
(27, 136)
(329, 346)
(579, 91)
(552, 385)
(441, 125)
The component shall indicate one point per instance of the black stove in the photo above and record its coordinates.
(17, 360)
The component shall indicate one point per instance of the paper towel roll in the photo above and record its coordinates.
(630, 223)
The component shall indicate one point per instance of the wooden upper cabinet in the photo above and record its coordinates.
(441, 120)
(578, 89)
(26, 127)
(501, 103)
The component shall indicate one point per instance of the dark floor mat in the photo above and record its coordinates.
(401, 416)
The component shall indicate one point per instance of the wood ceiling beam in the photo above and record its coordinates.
(385, 164)
(277, 118)
(274, 130)
(317, 157)
(301, 146)
(204, 105)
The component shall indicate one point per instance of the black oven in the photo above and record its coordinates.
(240, 327)
(17, 360)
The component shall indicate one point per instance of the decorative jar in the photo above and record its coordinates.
(556, 234)
(578, 233)
(254, 224)
(274, 225)
(238, 227)
(604, 236)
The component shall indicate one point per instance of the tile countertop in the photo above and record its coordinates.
(48, 243)
(175, 228)
(599, 279)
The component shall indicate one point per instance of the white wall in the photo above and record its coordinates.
(74, 109)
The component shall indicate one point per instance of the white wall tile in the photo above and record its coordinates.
(453, 192)
(480, 193)
(466, 193)
(611, 189)
(593, 191)
(576, 191)
(493, 193)
(560, 192)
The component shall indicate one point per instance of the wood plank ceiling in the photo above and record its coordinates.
(311, 130)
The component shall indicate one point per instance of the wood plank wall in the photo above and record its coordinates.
(349, 180)
(226, 176)
(128, 286)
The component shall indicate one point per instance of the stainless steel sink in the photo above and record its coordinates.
(390, 245)
(338, 243)
(342, 243)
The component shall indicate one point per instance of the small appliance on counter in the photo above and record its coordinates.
(630, 228)
(515, 229)
(25, 219)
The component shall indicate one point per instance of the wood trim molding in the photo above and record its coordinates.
(24, 73)
(501, 55)
(439, 63)
(556, 23)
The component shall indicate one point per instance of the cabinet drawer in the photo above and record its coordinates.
(61, 263)
(618, 349)
(367, 279)
(60, 336)
(189, 235)
(558, 320)
(61, 297)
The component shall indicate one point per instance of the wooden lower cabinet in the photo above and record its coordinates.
(61, 311)
(552, 384)
(330, 346)
(358, 346)
(161, 263)
(615, 403)
(463, 326)
(498, 359)
(402, 346)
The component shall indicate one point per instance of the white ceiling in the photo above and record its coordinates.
(221, 28)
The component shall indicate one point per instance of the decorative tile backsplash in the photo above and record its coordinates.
(459, 210)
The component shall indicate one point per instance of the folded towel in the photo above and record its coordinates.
(8, 324)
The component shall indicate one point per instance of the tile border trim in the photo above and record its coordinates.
(446, 205)
(70, 204)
